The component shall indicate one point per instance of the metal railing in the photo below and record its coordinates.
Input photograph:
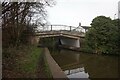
(60, 28)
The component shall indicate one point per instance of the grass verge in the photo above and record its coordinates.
(47, 69)
(29, 62)
(21, 62)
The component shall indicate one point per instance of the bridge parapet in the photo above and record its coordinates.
(61, 33)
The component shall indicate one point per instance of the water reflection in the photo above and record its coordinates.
(83, 65)
(76, 73)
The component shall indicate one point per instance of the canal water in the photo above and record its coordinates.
(84, 65)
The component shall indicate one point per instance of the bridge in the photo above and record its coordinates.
(69, 35)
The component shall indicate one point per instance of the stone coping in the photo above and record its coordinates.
(55, 69)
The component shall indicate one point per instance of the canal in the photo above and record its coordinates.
(85, 65)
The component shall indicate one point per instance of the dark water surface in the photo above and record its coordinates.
(84, 65)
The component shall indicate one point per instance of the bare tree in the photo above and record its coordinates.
(19, 16)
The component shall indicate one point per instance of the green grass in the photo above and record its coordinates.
(28, 63)
(25, 62)
(47, 69)
(21, 61)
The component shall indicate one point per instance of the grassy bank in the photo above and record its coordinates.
(21, 62)
(47, 69)
(29, 62)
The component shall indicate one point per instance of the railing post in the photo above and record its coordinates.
(70, 28)
(51, 27)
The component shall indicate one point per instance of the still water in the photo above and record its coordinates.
(84, 65)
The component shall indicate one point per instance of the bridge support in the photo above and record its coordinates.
(70, 42)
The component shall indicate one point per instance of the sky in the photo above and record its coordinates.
(71, 12)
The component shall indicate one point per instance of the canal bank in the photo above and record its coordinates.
(54, 68)
(22, 62)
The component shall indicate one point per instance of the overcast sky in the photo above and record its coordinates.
(71, 12)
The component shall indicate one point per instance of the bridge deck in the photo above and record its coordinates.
(62, 34)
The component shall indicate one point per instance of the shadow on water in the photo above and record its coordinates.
(84, 65)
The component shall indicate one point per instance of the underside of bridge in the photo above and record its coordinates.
(70, 42)
(62, 40)
(69, 39)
